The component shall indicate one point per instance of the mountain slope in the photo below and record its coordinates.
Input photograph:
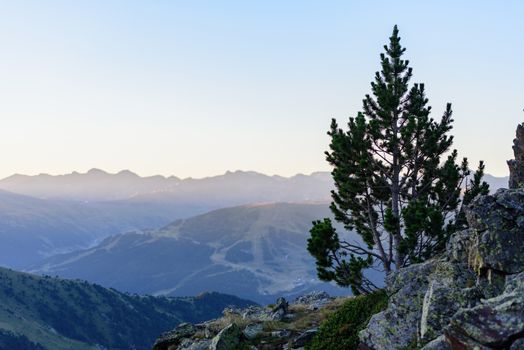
(253, 251)
(64, 314)
(32, 229)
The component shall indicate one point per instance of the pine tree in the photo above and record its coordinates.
(397, 181)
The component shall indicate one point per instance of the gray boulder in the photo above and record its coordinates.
(252, 330)
(517, 344)
(451, 287)
(494, 323)
(313, 300)
(227, 339)
(459, 246)
(499, 223)
(280, 310)
(439, 343)
(190, 344)
(171, 339)
(256, 313)
(281, 333)
(303, 338)
(398, 326)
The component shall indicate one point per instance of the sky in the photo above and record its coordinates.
(196, 88)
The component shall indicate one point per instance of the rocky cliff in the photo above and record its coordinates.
(471, 297)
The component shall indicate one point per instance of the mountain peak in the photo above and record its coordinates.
(96, 171)
(126, 172)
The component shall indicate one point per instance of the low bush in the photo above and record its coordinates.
(340, 330)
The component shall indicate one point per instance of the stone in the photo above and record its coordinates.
(256, 313)
(282, 333)
(303, 338)
(459, 246)
(252, 330)
(517, 344)
(516, 166)
(280, 310)
(499, 238)
(206, 328)
(311, 297)
(281, 304)
(497, 321)
(227, 339)
(514, 283)
(397, 326)
(451, 287)
(462, 342)
(314, 300)
(189, 344)
(172, 338)
(439, 343)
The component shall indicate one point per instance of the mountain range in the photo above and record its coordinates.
(231, 188)
(73, 225)
(44, 215)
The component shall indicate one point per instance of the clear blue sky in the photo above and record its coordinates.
(195, 88)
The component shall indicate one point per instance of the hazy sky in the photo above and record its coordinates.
(195, 88)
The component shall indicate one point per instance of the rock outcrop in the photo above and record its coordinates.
(471, 297)
(516, 166)
(281, 326)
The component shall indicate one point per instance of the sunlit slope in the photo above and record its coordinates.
(253, 251)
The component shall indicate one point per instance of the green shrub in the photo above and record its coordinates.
(340, 330)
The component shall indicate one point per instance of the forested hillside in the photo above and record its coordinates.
(64, 314)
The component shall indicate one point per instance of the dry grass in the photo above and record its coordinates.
(305, 319)
(302, 319)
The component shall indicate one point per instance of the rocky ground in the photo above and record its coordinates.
(278, 326)
(471, 297)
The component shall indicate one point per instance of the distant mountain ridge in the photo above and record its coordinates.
(98, 185)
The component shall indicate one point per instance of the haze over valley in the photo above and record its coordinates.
(241, 232)
(43, 215)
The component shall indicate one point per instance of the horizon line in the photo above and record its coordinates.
(227, 172)
(130, 172)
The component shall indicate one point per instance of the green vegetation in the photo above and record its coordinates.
(65, 314)
(398, 182)
(340, 330)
